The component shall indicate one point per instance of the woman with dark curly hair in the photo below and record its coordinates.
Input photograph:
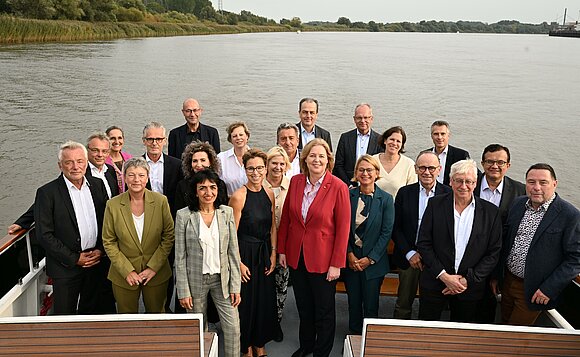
(196, 157)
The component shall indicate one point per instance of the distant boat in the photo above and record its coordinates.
(298, 32)
(566, 30)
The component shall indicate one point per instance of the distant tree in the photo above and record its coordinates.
(296, 22)
(201, 5)
(98, 10)
(359, 25)
(184, 6)
(394, 28)
(373, 26)
(232, 19)
(284, 22)
(207, 13)
(68, 10)
(35, 9)
(130, 15)
(343, 21)
(155, 8)
(128, 4)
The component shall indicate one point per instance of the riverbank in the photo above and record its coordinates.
(18, 30)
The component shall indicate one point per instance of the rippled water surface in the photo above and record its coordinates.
(518, 90)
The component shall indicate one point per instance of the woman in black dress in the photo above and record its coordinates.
(254, 216)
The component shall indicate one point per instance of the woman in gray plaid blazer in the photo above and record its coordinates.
(207, 258)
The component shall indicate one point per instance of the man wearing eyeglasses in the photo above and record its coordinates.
(355, 143)
(494, 186)
(410, 205)
(193, 129)
(459, 242)
(98, 147)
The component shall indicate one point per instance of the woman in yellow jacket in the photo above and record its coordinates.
(138, 236)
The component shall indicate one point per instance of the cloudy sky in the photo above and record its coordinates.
(530, 11)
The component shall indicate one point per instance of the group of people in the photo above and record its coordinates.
(231, 228)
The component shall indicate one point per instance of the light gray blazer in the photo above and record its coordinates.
(189, 254)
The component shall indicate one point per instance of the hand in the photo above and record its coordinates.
(146, 275)
(416, 262)
(245, 273)
(455, 284)
(272, 263)
(282, 260)
(236, 299)
(333, 273)
(352, 261)
(363, 263)
(133, 278)
(90, 258)
(186, 303)
(540, 298)
(13, 228)
(493, 284)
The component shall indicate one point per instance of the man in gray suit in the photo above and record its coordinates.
(308, 112)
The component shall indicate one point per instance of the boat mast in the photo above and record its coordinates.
(565, 11)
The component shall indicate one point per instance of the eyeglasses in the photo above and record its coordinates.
(258, 169)
(499, 163)
(366, 171)
(359, 118)
(460, 182)
(96, 151)
(431, 169)
(152, 140)
(189, 111)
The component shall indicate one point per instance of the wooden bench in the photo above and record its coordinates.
(107, 335)
(391, 337)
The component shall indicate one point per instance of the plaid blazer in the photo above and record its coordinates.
(189, 254)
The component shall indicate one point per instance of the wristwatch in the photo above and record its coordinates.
(371, 260)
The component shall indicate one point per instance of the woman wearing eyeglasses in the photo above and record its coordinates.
(253, 207)
(372, 217)
(233, 173)
(397, 170)
(117, 157)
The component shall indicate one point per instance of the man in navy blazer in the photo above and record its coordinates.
(69, 216)
(448, 155)
(541, 251)
(460, 242)
(353, 144)
(494, 186)
(193, 129)
(410, 205)
(98, 147)
(308, 130)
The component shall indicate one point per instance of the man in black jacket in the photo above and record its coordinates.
(193, 129)
(448, 155)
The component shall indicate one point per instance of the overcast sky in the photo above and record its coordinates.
(490, 11)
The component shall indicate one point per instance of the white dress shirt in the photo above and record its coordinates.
(85, 214)
(294, 167)
(462, 230)
(362, 143)
(493, 196)
(233, 172)
(101, 175)
(210, 244)
(156, 173)
(443, 162)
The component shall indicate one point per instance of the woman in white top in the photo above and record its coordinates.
(207, 258)
(397, 170)
(233, 172)
(138, 237)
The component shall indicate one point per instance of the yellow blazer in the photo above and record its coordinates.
(122, 243)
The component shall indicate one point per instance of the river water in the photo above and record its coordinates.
(517, 90)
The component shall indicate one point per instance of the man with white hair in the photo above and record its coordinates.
(460, 242)
(68, 212)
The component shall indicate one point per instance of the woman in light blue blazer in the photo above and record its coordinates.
(207, 259)
(373, 214)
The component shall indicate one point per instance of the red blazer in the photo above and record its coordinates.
(324, 236)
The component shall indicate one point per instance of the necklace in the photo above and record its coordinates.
(210, 212)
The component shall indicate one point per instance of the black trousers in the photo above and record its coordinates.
(78, 294)
(316, 309)
(432, 304)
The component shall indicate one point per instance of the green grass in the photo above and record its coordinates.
(19, 30)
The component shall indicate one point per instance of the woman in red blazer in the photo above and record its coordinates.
(312, 241)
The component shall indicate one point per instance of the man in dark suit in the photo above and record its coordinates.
(165, 171)
(164, 174)
(459, 242)
(494, 186)
(410, 205)
(193, 129)
(98, 147)
(541, 250)
(69, 216)
(308, 130)
(448, 155)
(353, 144)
